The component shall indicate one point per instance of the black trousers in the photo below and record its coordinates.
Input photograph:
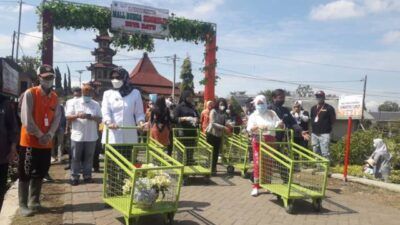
(33, 163)
(3, 182)
(96, 155)
(216, 143)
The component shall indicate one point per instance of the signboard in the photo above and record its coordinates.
(350, 106)
(10, 79)
(133, 18)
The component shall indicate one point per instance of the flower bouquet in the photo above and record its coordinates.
(148, 186)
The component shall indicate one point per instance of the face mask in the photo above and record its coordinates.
(228, 111)
(46, 84)
(262, 108)
(117, 84)
(279, 102)
(87, 99)
(222, 108)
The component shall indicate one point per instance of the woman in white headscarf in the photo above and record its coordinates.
(380, 160)
(261, 119)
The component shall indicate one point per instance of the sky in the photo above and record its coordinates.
(262, 44)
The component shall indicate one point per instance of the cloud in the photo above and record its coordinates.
(341, 9)
(201, 10)
(15, 8)
(391, 37)
(344, 9)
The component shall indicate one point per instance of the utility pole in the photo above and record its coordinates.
(13, 45)
(173, 83)
(363, 99)
(80, 76)
(19, 30)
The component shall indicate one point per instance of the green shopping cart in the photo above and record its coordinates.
(235, 152)
(292, 172)
(191, 149)
(140, 179)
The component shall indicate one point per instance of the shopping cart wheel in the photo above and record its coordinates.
(230, 169)
(169, 218)
(290, 205)
(185, 181)
(317, 204)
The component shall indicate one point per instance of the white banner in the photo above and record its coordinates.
(10, 79)
(133, 18)
(350, 106)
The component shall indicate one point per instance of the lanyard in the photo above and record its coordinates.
(322, 107)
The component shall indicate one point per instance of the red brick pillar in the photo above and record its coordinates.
(210, 63)
(47, 32)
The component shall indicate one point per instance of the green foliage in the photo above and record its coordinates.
(304, 91)
(361, 147)
(69, 15)
(235, 106)
(29, 66)
(65, 85)
(267, 94)
(389, 106)
(182, 29)
(59, 88)
(187, 75)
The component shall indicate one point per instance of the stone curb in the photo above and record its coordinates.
(379, 184)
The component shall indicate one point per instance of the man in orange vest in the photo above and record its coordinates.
(40, 118)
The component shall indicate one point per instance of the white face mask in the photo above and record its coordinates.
(222, 108)
(47, 84)
(117, 83)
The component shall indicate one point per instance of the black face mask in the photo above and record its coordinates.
(279, 103)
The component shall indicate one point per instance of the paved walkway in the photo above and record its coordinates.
(226, 200)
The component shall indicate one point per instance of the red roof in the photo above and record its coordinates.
(146, 76)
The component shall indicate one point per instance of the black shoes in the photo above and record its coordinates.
(74, 182)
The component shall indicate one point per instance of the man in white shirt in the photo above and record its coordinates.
(77, 93)
(84, 114)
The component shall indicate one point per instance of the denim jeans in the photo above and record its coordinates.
(82, 158)
(320, 144)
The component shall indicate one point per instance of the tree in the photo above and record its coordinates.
(389, 106)
(69, 89)
(65, 85)
(59, 88)
(304, 91)
(29, 66)
(186, 76)
(267, 94)
(237, 109)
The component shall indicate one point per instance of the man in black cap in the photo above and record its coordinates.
(40, 118)
(322, 118)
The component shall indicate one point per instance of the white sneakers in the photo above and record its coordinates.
(254, 192)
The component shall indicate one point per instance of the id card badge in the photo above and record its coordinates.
(316, 119)
(46, 121)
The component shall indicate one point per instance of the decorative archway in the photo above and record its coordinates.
(70, 15)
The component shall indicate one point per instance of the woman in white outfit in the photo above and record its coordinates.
(122, 106)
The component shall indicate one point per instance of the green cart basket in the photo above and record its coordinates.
(235, 153)
(140, 179)
(191, 149)
(293, 172)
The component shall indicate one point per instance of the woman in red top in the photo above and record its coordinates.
(160, 123)
(205, 116)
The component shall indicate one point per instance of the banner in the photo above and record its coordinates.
(133, 18)
(350, 106)
(10, 78)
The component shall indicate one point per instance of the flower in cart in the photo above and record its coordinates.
(126, 189)
(161, 182)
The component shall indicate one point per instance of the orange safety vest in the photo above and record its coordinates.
(43, 106)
